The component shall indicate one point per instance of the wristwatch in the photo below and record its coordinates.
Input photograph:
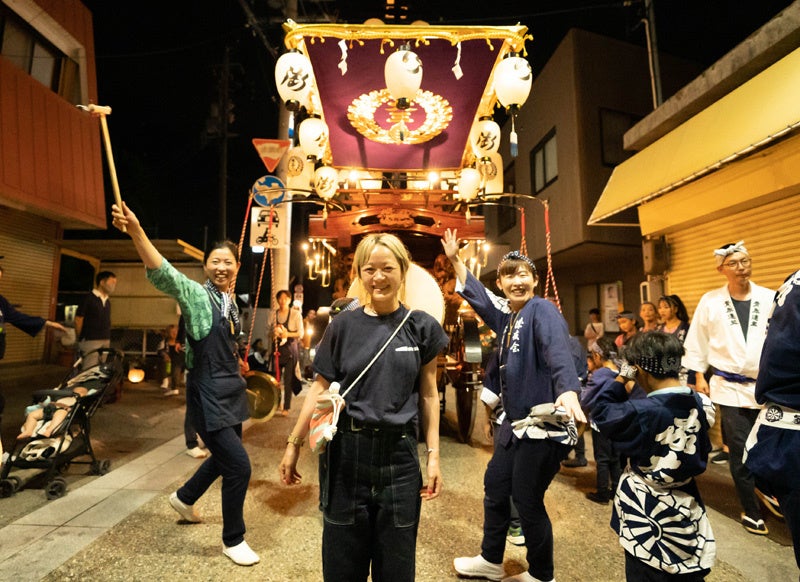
(294, 440)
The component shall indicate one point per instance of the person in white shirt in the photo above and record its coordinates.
(594, 329)
(726, 337)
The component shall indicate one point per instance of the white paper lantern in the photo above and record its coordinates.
(403, 75)
(294, 78)
(485, 137)
(469, 182)
(314, 136)
(512, 80)
(326, 182)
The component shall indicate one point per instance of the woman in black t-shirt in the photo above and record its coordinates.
(370, 482)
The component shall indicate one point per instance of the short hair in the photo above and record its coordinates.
(102, 276)
(222, 244)
(657, 353)
(512, 261)
(606, 347)
(281, 293)
(594, 311)
(364, 250)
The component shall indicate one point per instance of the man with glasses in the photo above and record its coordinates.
(726, 337)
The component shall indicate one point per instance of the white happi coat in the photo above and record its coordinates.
(715, 339)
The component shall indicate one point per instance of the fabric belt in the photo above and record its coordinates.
(731, 377)
(777, 416)
(350, 424)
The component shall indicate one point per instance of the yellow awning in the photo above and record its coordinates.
(754, 114)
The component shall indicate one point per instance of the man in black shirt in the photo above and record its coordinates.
(93, 318)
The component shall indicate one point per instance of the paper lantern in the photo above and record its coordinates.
(326, 182)
(512, 81)
(485, 137)
(294, 78)
(135, 375)
(314, 136)
(403, 75)
(469, 182)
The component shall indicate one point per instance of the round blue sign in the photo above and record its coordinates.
(268, 191)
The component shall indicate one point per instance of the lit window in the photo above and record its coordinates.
(544, 162)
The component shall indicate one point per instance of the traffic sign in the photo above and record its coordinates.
(271, 151)
(268, 190)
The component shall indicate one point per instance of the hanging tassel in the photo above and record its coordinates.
(467, 215)
(291, 125)
(513, 136)
(457, 72)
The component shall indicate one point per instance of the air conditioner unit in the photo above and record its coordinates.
(651, 290)
(655, 256)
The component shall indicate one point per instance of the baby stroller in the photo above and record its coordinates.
(51, 449)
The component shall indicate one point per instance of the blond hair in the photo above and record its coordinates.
(363, 252)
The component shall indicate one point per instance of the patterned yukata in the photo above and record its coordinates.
(658, 513)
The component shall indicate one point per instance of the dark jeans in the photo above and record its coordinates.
(371, 506)
(523, 471)
(607, 458)
(514, 513)
(189, 433)
(230, 461)
(638, 571)
(789, 500)
(737, 423)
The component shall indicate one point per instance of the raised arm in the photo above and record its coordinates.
(125, 220)
(450, 245)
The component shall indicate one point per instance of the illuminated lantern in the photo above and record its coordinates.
(326, 182)
(403, 75)
(135, 375)
(314, 136)
(512, 81)
(294, 78)
(512, 85)
(469, 182)
(485, 137)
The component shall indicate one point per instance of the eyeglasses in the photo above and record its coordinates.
(735, 264)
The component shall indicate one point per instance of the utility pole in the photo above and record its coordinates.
(223, 144)
(652, 52)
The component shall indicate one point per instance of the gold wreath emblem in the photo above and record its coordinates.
(438, 115)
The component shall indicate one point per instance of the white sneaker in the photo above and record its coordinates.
(478, 567)
(187, 512)
(197, 453)
(165, 383)
(525, 577)
(171, 392)
(241, 554)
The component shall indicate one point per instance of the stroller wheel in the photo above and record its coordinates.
(7, 488)
(56, 488)
(100, 467)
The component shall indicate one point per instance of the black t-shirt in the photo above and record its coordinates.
(389, 391)
(96, 318)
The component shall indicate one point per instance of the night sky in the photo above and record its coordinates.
(159, 63)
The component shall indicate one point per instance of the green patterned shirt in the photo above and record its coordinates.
(192, 298)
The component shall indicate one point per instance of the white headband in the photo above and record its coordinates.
(721, 254)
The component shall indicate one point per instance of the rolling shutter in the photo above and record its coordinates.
(770, 233)
(28, 243)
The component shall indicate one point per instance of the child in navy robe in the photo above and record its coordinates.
(658, 513)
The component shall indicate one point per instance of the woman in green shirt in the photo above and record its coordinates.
(216, 402)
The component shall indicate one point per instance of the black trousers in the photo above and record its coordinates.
(738, 422)
(638, 571)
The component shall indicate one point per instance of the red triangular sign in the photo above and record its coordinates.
(271, 151)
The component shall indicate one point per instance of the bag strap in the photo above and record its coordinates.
(380, 351)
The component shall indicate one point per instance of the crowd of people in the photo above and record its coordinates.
(654, 392)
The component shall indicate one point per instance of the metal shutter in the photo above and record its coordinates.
(770, 233)
(28, 243)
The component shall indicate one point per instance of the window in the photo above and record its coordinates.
(544, 162)
(31, 52)
(613, 125)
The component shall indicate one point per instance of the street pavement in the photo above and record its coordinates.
(120, 526)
